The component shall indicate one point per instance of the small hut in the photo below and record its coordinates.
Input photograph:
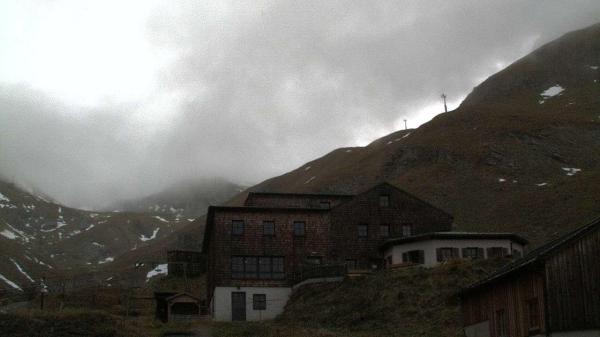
(176, 306)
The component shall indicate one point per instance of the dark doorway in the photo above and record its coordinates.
(238, 306)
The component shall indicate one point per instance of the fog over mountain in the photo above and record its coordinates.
(111, 101)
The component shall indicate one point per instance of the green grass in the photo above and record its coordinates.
(65, 323)
(403, 302)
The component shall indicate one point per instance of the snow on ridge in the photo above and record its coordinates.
(4, 198)
(22, 270)
(10, 283)
(145, 238)
(161, 269)
(571, 171)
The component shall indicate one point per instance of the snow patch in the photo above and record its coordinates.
(160, 218)
(106, 260)
(310, 179)
(4, 198)
(8, 234)
(21, 270)
(161, 269)
(541, 184)
(97, 244)
(307, 168)
(10, 283)
(550, 92)
(501, 180)
(571, 171)
(349, 150)
(594, 67)
(145, 238)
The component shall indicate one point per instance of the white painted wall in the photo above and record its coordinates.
(277, 297)
(586, 333)
(430, 246)
(481, 329)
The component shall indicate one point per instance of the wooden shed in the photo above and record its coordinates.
(177, 306)
(553, 291)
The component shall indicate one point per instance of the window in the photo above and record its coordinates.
(268, 228)
(501, 323)
(406, 230)
(262, 267)
(384, 200)
(446, 253)
(259, 302)
(299, 229)
(533, 314)
(250, 267)
(472, 253)
(384, 231)
(325, 204)
(414, 256)
(237, 267)
(350, 264)
(237, 227)
(363, 231)
(314, 260)
(496, 252)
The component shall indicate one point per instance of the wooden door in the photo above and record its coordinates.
(238, 306)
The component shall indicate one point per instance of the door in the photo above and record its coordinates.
(238, 306)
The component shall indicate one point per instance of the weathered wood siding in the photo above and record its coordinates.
(573, 283)
(513, 296)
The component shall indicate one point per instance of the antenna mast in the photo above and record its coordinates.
(445, 106)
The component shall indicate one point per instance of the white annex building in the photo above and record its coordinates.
(432, 248)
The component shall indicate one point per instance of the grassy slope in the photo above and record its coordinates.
(402, 302)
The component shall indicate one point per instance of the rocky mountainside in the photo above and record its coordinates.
(187, 199)
(521, 153)
(39, 237)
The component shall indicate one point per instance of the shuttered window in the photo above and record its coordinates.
(472, 253)
(497, 252)
(237, 267)
(446, 253)
(384, 200)
(407, 230)
(414, 256)
(384, 231)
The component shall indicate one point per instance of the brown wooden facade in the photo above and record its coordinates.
(337, 230)
(554, 289)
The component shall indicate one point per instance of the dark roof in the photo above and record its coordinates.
(316, 195)
(536, 255)
(453, 236)
(170, 298)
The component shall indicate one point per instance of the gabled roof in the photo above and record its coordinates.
(453, 236)
(170, 298)
(316, 195)
(536, 256)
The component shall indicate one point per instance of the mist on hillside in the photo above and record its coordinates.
(232, 91)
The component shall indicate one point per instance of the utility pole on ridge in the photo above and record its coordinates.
(445, 107)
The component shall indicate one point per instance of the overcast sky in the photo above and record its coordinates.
(107, 100)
